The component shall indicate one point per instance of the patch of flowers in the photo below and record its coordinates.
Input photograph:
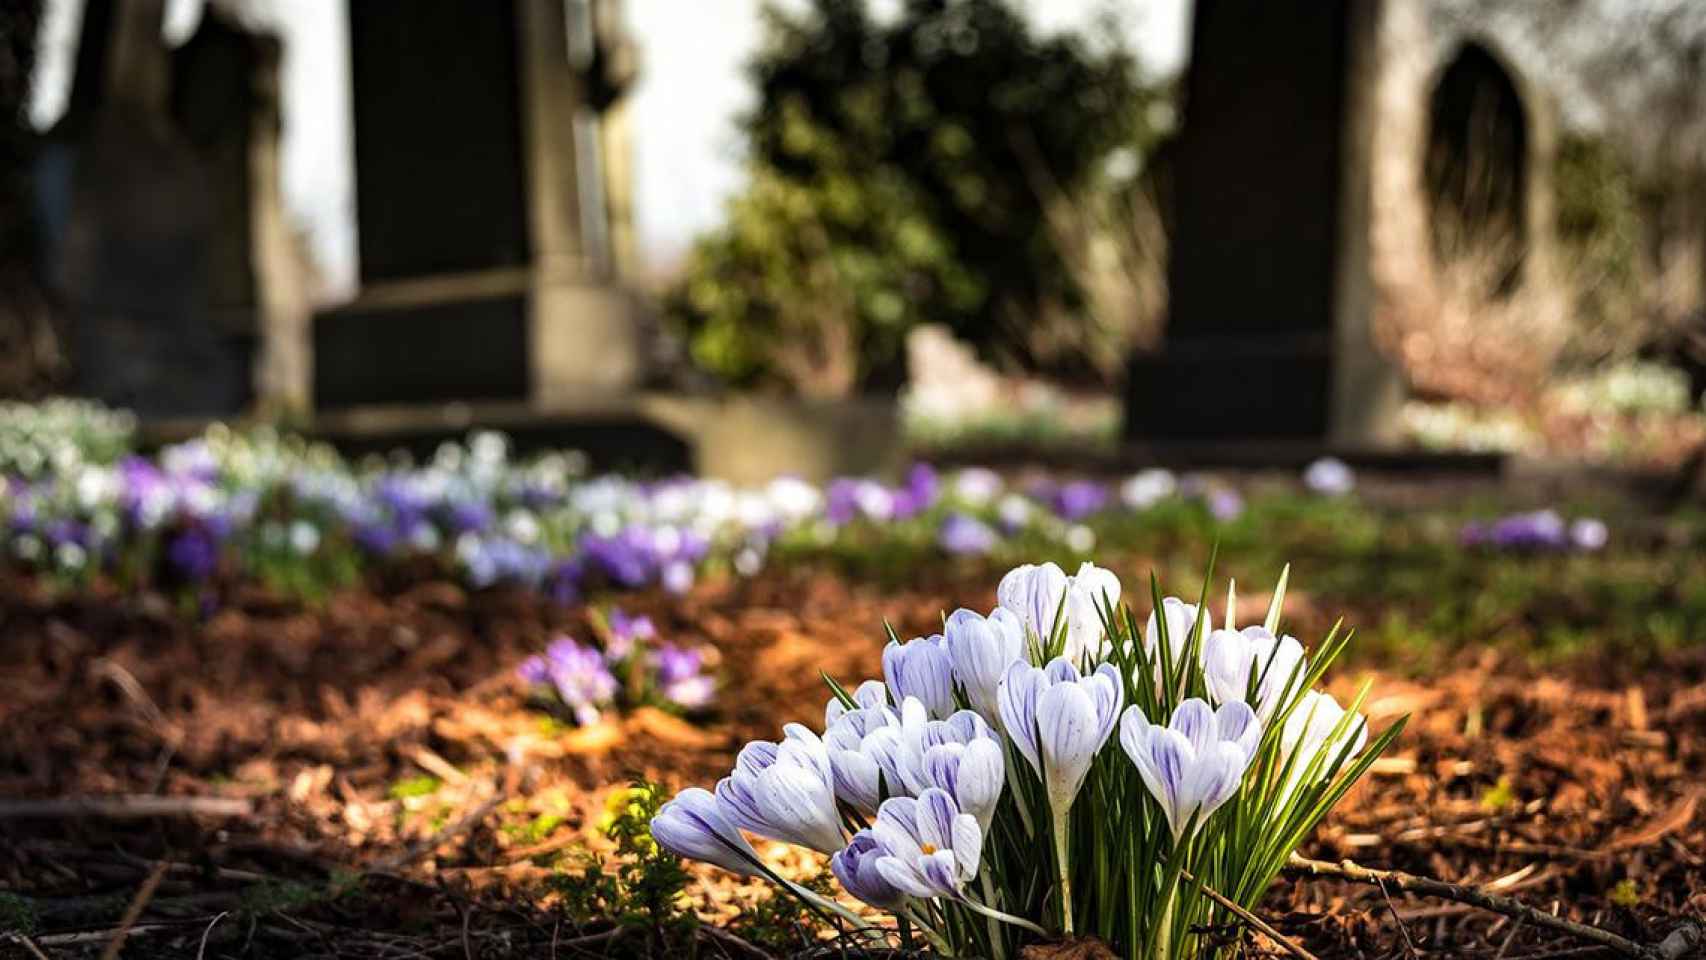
(633, 668)
(1054, 768)
(1539, 530)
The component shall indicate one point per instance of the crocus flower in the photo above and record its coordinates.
(865, 755)
(928, 847)
(626, 631)
(1309, 732)
(869, 695)
(1035, 593)
(959, 755)
(1058, 719)
(694, 826)
(980, 650)
(1329, 477)
(785, 791)
(856, 868)
(1078, 499)
(921, 668)
(580, 677)
(1589, 533)
(963, 535)
(977, 486)
(681, 676)
(1146, 488)
(1234, 659)
(1225, 504)
(1194, 764)
(1181, 620)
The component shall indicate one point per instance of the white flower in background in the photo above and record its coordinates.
(1330, 477)
(1193, 765)
(304, 537)
(977, 486)
(1014, 512)
(1589, 534)
(1080, 538)
(1146, 488)
(785, 791)
(922, 668)
(522, 526)
(1036, 593)
(1234, 659)
(793, 498)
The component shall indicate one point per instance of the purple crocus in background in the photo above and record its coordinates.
(194, 553)
(577, 673)
(964, 535)
(1078, 499)
(626, 632)
(682, 678)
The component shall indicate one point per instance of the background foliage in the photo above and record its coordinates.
(904, 171)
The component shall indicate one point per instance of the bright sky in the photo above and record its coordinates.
(687, 159)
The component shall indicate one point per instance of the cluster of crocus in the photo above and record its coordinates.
(1054, 767)
(634, 667)
(1540, 530)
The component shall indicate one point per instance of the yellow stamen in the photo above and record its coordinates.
(929, 848)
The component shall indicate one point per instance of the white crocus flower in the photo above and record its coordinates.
(785, 791)
(980, 649)
(1036, 593)
(1195, 764)
(1234, 659)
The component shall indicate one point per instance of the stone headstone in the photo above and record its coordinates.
(1268, 333)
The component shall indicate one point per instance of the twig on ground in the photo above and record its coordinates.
(98, 936)
(1509, 906)
(1510, 938)
(1403, 930)
(26, 943)
(1251, 919)
(125, 807)
(201, 951)
(733, 940)
(133, 912)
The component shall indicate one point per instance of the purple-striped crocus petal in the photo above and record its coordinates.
(737, 797)
(1062, 670)
(981, 775)
(1018, 700)
(1181, 620)
(980, 650)
(1233, 659)
(921, 668)
(693, 826)
(856, 779)
(1236, 723)
(755, 756)
(941, 871)
(798, 806)
(1165, 765)
(856, 868)
(905, 876)
(1108, 693)
(1195, 720)
(1034, 593)
(1227, 762)
(1068, 727)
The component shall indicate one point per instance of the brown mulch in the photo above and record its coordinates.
(1578, 788)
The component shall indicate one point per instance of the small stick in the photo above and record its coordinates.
(1251, 919)
(126, 807)
(1462, 893)
(133, 912)
(1403, 931)
(27, 943)
(201, 951)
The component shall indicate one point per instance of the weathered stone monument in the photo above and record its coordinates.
(160, 197)
(1269, 334)
(492, 208)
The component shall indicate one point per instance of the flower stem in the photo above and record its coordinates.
(1060, 820)
(994, 914)
(995, 942)
(1163, 938)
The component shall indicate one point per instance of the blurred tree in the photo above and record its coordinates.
(907, 171)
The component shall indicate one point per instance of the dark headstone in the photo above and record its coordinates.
(473, 349)
(1264, 168)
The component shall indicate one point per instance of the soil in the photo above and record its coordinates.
(1577, 788)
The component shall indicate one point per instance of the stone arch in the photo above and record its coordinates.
(1477, 165)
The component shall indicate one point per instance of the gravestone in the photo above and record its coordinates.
(488, 249)
(155, 190)
(1268, 334)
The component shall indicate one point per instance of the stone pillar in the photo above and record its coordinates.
(1268, 333)
(481, 211)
